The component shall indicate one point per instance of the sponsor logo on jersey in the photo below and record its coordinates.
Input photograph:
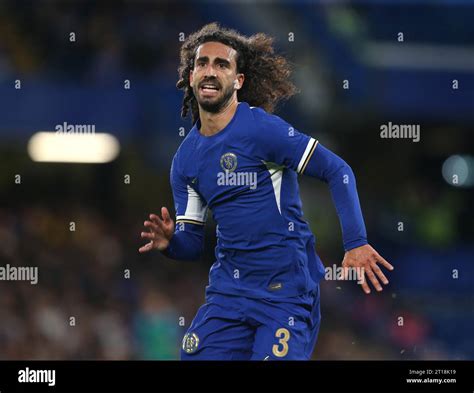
(275, 286)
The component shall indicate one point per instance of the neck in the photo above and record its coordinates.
(212, 123)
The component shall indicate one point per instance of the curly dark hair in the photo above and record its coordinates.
(266, 73)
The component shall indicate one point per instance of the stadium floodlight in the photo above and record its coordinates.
(458, 170)
(45, 146)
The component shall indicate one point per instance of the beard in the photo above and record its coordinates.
(214, 104)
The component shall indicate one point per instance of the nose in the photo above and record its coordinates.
(209, 71)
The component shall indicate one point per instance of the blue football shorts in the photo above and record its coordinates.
(231, 327)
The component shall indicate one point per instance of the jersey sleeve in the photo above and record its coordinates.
(333, 170)
(281, 143)
(189, 206)
(187, 242)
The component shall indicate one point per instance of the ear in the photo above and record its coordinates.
(239, 81)
(191, 78)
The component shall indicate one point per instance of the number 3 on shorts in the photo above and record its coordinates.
(283, 335)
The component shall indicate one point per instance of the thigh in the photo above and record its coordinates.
(287, 331)
(218, 333)
(316, 323)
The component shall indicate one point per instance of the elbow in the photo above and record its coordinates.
(328, 166)
(340, 170)
(195, 254)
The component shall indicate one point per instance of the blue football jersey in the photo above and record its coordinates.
(246, 174)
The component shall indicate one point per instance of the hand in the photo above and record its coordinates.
(366, 259)
(160, 232)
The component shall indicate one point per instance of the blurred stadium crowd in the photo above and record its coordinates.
(109, 39)
(128, 306)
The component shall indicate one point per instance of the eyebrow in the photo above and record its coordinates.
(217, 60)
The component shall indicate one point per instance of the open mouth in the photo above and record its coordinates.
(209, 88)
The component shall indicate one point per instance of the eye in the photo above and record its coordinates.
(222, 65)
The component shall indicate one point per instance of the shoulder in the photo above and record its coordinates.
(267, 121)
(259, 114)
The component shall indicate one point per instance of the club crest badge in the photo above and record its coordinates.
(190, 342)
(229, 162)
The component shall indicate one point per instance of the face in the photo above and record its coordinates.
(214, 79)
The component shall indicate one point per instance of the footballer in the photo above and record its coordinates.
(242, 162)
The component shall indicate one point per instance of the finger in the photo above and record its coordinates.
(146, 247)
(365, 287)
(370, 274)
(345, 270)
(379, 273)
(148, 235)
(383, 262)
(360, 274)
(158, 221)
(166, 215)
(153, 227)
